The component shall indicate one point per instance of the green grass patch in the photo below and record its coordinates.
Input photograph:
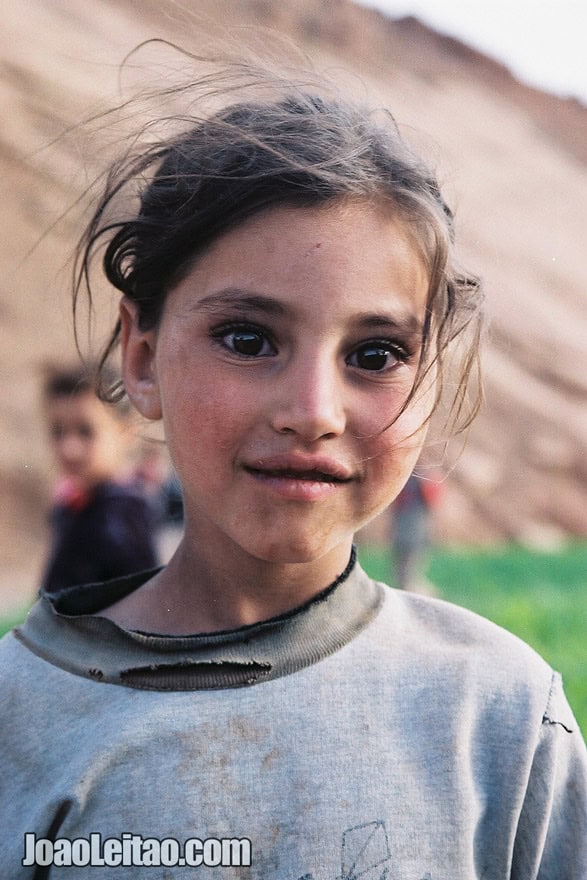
(541, 597)
(11, 620)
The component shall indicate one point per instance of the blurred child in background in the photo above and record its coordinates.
(411, 538)
(154, 476)
(102, 526)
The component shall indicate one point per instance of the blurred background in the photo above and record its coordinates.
(498, 105)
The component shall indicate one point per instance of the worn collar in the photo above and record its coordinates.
(64, 630)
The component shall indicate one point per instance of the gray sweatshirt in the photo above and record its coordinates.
(370, 734)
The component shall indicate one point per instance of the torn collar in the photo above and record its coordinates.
(64, 631)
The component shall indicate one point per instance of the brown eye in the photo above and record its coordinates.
(375, 357)
(248, 342)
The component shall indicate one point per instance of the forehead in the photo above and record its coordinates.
(347, 252)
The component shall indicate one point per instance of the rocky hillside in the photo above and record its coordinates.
(513, 160)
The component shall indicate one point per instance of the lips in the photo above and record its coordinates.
(313, 475)
(313, 469)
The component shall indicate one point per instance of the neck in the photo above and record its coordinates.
(197, 594)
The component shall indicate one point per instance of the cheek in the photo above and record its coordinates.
(393, 454)
(378, 416)
(389, 431)
(203, 422)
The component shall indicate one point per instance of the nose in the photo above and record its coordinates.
(309, 400)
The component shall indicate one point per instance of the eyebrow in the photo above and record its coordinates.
(235, 297)
(405, 323)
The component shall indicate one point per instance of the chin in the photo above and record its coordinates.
(290, 550)
(288, 554)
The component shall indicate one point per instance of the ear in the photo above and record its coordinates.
(139, 370)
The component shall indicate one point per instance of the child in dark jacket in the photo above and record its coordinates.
(102, 528)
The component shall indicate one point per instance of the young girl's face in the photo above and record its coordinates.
(278, 364)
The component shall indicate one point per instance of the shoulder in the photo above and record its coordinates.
(19, 670)
(463, 659)
(441, 626)
(8, 652)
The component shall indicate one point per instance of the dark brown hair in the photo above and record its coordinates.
(298, 148)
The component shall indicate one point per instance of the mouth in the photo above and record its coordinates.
(313, 475)
(300, 478)
(296, 466)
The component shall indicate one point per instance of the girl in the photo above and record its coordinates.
(260, 708)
